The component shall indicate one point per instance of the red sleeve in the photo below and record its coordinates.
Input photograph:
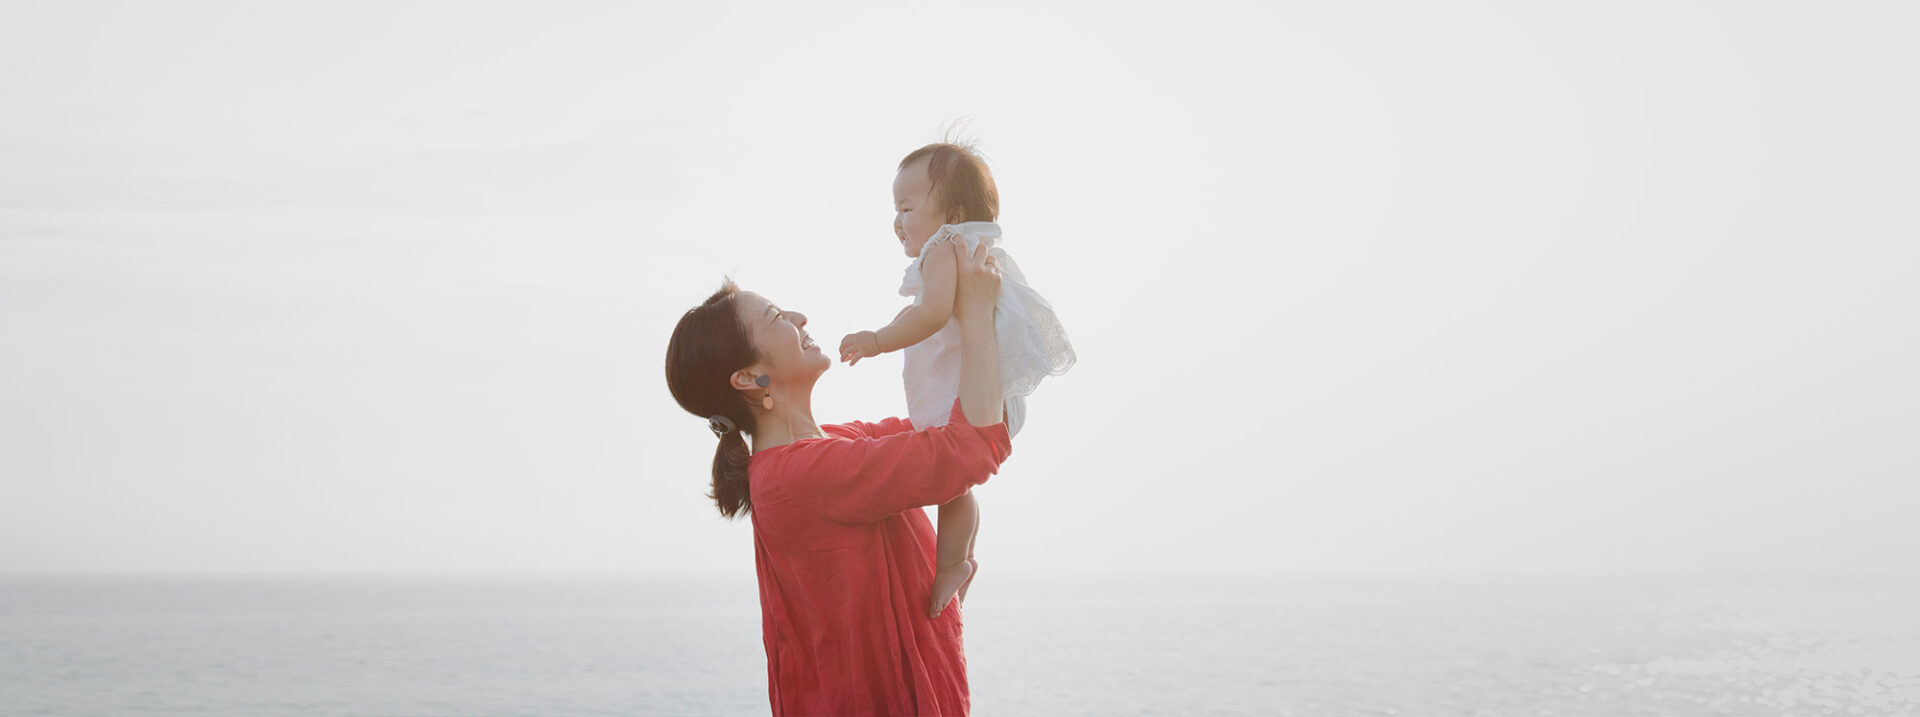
(868, 479)
(886, 427)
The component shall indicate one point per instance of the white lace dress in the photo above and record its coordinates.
(1033, 345)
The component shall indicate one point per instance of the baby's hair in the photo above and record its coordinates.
(962, 186)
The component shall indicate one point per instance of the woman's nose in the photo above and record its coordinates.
(798, 318)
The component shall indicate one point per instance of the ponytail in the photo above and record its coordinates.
(730, 488)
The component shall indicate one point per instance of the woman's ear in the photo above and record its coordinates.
(746, 379)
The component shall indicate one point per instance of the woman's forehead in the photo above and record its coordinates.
(752, 305)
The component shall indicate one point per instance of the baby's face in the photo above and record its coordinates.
(915, 218)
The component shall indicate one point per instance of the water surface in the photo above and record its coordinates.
(1135, 645)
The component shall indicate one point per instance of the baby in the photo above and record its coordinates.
(943, 192)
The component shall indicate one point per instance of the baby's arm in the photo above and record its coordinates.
(915, 323)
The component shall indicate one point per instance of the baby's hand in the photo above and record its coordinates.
(856, 346)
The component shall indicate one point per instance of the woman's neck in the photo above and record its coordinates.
(790, 420)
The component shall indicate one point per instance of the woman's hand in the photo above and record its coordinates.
(976, 284)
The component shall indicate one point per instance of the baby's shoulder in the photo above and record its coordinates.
(937, 257)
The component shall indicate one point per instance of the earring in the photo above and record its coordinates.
(766, 401)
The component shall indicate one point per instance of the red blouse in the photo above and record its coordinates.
(845, 558)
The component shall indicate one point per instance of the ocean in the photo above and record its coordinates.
(1036, 645)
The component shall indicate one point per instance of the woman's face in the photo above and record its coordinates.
(786, 351)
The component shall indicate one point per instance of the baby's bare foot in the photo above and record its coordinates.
(947, 581)
(973, 571)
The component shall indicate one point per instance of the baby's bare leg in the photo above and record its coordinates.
(959, 521)
(973, 536)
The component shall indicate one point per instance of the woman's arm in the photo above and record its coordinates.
(886, 427)
(976, 288)
(863, 480)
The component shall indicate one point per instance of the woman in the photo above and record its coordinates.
(844, 554)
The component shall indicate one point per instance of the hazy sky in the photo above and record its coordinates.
(1355, 287)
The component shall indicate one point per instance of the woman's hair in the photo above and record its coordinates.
(708, 346)
(962, 186)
